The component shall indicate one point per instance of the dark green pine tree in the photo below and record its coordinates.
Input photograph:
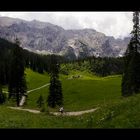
(55, 97)
(40, 101)
(17, 83)
(131, 75)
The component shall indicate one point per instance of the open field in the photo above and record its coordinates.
(83, 93)
(121, 114)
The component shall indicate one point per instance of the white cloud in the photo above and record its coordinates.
(117, 24)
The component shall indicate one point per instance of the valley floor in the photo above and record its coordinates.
(81, 95)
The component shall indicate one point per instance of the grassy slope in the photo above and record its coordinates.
(19, 119)
(122, 114)
(86, 94)
(35, 79)
(79, 94)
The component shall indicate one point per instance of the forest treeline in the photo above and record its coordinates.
(100, 66)
(36, 62)
(41, 63)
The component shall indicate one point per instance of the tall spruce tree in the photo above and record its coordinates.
(17, 83)
(55, 97)
(131, 75)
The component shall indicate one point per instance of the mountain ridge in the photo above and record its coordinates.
(47, 38)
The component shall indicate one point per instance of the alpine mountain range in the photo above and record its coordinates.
(47, 38)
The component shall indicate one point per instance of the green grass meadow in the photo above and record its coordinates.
(87, 92)
(83, 93)
(121, 114)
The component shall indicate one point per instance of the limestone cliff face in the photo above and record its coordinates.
(47, 38)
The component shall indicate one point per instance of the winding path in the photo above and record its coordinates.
(76, 113)
(33, 89)
(29, 110)
(23, 98)
(38, 88)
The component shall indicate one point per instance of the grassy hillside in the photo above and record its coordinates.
(86, 94)
(35, 79)
(19, 119)
(82, 93)
(121, 114)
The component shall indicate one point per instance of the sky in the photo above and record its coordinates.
(117, 24)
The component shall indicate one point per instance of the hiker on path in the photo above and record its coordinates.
(61, 110)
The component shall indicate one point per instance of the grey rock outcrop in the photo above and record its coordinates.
(46, 38)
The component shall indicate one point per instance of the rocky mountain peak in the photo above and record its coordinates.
(47, 38)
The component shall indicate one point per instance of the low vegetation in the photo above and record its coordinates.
(124, 113)
(87, 88)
